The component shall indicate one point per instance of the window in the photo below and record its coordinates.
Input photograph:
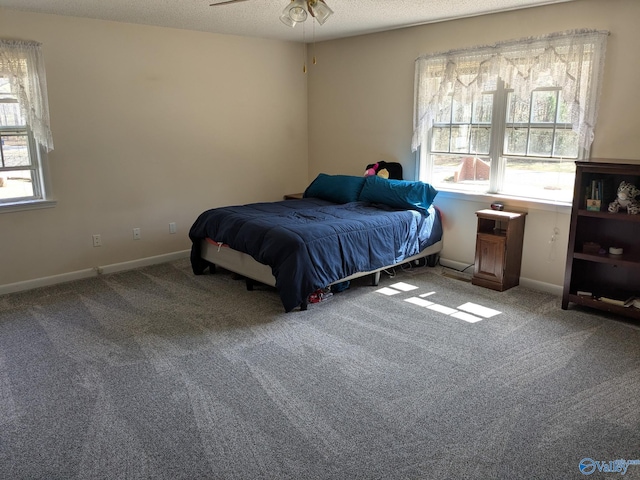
(19, 174)
(25, 136)
(510, 118)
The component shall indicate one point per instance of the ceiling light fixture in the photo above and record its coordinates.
(296, 12)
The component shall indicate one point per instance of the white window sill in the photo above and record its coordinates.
(28, 205)
(509, 202)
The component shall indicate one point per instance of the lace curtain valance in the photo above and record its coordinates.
(573, 61)
(22, 63)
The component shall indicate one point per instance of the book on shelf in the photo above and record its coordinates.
(594, 196)
(632, 301)
(596, 192)
(584, 293)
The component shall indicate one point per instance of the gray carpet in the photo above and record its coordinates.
(158, 374)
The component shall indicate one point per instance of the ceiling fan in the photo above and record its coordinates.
(296, 11)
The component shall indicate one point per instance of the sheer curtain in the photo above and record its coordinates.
(571, 60)
(22, 63)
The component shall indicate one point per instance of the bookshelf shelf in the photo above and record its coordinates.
(615, 260)
(607, 307)
(602, 274)
(623, 217)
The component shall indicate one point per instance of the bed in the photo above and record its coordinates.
(344, 227)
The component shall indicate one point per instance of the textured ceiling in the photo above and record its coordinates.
(259, 18)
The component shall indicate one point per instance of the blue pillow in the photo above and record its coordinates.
(398, 193)
(335, 188)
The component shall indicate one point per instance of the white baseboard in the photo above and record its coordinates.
(541, 286)
(143, 262)
(457, 265)
(525, 282)
(91, 272)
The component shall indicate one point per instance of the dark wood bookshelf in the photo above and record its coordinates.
(601, 273)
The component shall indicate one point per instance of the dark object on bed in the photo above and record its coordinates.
(394, 169)
(312, 242)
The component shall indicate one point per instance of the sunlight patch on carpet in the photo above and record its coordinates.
(469, 312)
(404, 287)
(388, 291)
(476, 309)
(467, 317)
(419, 301)
(442, 309)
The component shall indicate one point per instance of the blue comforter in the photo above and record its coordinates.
(311, 243)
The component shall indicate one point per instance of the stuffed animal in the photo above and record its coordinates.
(390, 170)
(625, 198)
(383, 172)
(372, 170)
(376, 169)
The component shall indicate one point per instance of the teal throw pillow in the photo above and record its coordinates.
(404, 194)
(335, 188)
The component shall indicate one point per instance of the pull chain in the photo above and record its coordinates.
(304, 49)
(313, 33)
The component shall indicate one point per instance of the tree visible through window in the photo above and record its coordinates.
(510, 118)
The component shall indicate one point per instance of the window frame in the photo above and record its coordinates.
(22, 68)
(42, 197)
(496, 155)
(38, 174)
(570, 62)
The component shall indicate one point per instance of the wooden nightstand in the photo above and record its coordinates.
(498, 249)
(293, 196)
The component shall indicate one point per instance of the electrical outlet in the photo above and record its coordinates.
(136, 234)
(172, 227)
(97, 241)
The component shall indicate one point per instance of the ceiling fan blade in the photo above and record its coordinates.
(226, 2)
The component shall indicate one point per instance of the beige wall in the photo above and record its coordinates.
(155, 125)
(151, 126)
(361, 106)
